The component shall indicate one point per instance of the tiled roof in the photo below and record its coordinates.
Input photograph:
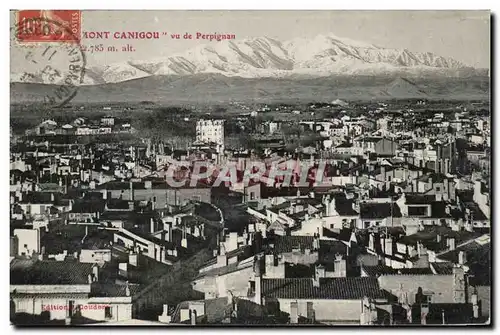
(465, 195)
(113, 290)
(119, 185)
(379, 210)
(33, 272)
(343, 235)
(88, 207)
(344, 207)
(474, 252)
(374, 139)
(430, 234)
(438, 210)
(283, 244)
(117, 204)
(378, 270)
(62, 238)
(217, 309)
(328, 249)
(298, 270)
(241, 253)
(225, 270)
(444, 268)
(476, 212)
(436, 177)
(43, 198)
(418, 199)
(351, 288)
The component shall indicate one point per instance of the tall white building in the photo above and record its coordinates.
(211, 131)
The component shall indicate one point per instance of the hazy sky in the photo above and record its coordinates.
(462, 35)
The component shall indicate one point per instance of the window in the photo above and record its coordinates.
(252, 288)
(108, 312)
(417, 211)
(438, 188)
(71, 307)
(26, 246)
(377, 223)
(252, 195)
(427, 299)
(331, 226)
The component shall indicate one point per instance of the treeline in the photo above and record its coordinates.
(165, 123)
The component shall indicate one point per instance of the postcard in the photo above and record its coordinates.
(221, 168)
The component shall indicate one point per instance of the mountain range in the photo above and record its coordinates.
(322, 56)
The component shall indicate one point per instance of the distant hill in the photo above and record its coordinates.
(404, 88)
(215, 88)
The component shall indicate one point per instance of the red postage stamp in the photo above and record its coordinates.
(49, 26)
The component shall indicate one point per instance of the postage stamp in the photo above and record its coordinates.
(57, 58)
(49, 25)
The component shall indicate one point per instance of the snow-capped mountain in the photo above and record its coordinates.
(114, 73)
(321, 56)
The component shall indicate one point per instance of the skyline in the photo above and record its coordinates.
(461, 35)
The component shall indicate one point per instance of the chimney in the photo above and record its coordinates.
(459, 284)
(451, 243)
(310, 311)
(169, 235)
(162, 254)
(127, 289)
(192, 316)
(95, 272)
(475, 305)
(316, 242)
(371, 242)
(184, 237)
(152, 225)
(122, 269)
(258, 280)
(131, 185)
(294, 312)
(388, 246)
(222, 258)
(340, 266)
(439, 151)
(462, 259)
(319, 272)
(333, 206)
(270, 263)
(423, 314)
(257, 245)
(132, 258)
